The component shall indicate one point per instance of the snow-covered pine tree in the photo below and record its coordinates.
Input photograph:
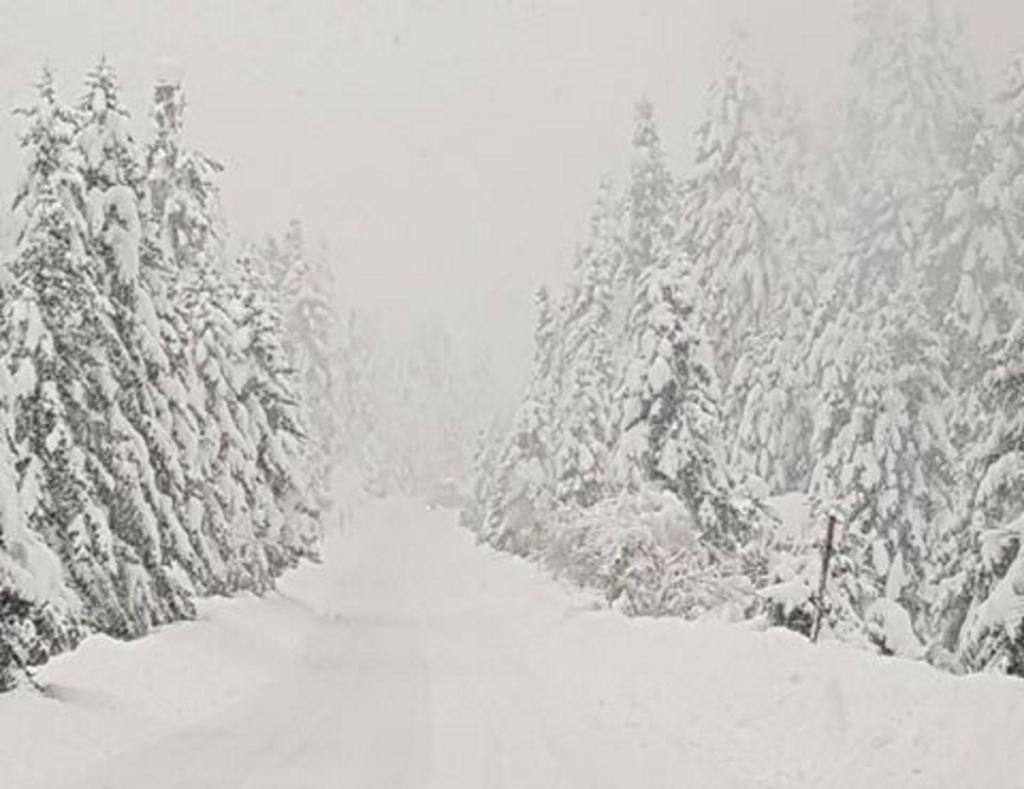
(670, 431)
(285, 519)
(483, 474)
(730, 228)
(907, 133)
(768, 419)
(228, 453)
(913, 109)
(237, 509)
(142, 461)
(905, 136)
(183, 193)
(56, 326)
(880, 443)
(976, 285)
(583, 435)
(181, 226)
(520, 498)
(304, 287)
(985, 599)
(550, 347)
(38, 612)
(767, 406)
(985, 229)
(651, 204)
(880, 435)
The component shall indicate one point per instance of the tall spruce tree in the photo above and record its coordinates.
(285, 519)
(180, 225)
(976, 289)
(520, 498)
(652, 204)
(670, 431)
(145, 476)
(881, 444)
(730, 217)
(984, 561)
(767, 400)
(57, 324)
(304, 286)
(986, 600)
(584, 434)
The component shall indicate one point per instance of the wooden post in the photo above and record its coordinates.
(826, 558)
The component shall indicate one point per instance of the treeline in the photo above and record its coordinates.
(827, 302)
(165, 403)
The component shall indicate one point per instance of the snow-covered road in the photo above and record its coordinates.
(414, 658)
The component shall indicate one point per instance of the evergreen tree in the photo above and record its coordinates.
(652, 203)
(305, 287)
(180, 228)
(978, 253)
(241, 504)
(520, 498)
(38, 612)
(913, 109)
(584, 433)
(57, 326)
(227, 454)
(730, 216)
(880, 427)
(285, 521)
(670, 424)
(976, 288)
(183, 193)
(145, 475)
(983, 612)
(767, 403)
(192, 299)
(880, 444)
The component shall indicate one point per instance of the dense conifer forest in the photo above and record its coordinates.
(824, 306)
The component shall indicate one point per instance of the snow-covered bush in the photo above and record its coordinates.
(30, 632)
(992, 636)
(520, 512)
(790, 604)
(890, 629)
(643, 552)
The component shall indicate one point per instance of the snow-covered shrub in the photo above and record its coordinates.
(790, 604)
(30, 632)
(644, 553)
(890, 629)
(992, 636)
(520, 524)
(518, 503)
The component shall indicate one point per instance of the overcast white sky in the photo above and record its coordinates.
(448, 149)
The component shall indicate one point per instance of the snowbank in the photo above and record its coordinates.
(110, 696)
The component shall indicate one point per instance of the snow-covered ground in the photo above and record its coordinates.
(414, 658)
